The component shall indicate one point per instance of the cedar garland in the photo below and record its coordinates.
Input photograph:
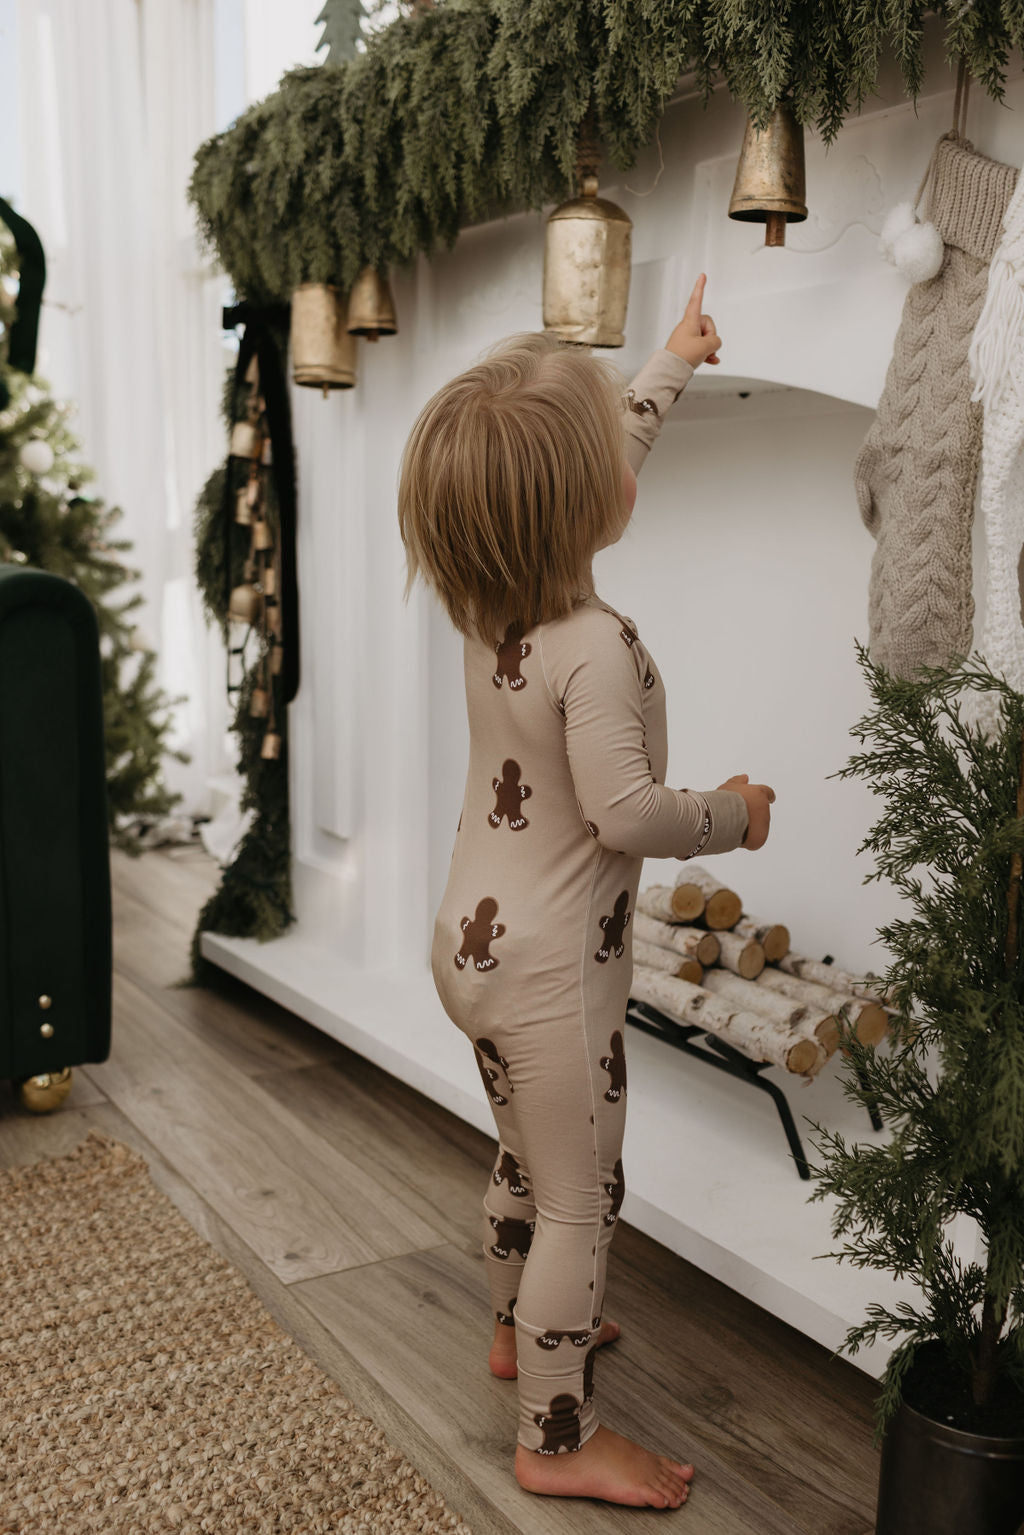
(471, 109)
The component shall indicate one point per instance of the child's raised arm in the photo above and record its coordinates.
(665, 375)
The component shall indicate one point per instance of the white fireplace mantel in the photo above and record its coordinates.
(746, 567)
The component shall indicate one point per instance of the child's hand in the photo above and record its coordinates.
(694, 337)
(758, 797)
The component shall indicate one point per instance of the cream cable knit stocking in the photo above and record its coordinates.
(916, 469)
(996, 362)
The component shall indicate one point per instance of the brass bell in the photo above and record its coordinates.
(243, 511)
(271, 747)
(262, 537)
(276, 659)
(246, 441)
(245, 604)
(371, 306)
(586, 269)
(259, 703)
(268, 581)
(770, 188)
(275, 622)
(323, 352)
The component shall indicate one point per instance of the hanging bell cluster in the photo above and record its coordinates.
(587, 253)
(325, 324)
(255, 601)
(770, 186)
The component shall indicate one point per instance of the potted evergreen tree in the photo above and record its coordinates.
(950, 1086)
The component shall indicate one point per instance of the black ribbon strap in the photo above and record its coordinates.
(21, 350)
(266, 330)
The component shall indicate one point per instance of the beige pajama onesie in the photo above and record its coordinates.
(532, 951)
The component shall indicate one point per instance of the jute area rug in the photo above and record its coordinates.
(144, 1387)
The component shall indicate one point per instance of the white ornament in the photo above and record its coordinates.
(36, 456)
(913, 247)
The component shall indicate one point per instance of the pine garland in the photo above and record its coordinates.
(254, 898)
(954, 810)
(470, 109)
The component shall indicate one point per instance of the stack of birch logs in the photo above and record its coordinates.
(698, 958)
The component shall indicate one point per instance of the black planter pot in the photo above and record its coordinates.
(935, 1479)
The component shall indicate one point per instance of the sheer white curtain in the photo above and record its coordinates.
(113, 98)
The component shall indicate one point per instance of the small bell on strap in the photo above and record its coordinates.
(269, 581)
(323, 352)
(259, 699)
(243, 511)
(770, 187)
(245, 603)
(276, 655)
(262, 538)
(371, 306)
(246, 440)
(587, 252)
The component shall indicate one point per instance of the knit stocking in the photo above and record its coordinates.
(916, 469)
(996, 361)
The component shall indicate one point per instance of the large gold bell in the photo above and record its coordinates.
(770, 188)
(371, 306)
(323, 352)
(586, 269)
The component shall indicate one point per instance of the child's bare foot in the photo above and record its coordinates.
(608, 1466)
(502, 1358)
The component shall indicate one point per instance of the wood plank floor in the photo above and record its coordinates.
(351, 1204)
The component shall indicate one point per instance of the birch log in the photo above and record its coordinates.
(722, 906)
(683, 902)
(801, 1020)
(669, 960)
(657, 901)
(869, 1020)
(772, 936)
(751, 1033)
(692, 942)
(829, 975)
(744, 956)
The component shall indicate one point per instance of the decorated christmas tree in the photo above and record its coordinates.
(951, 840)
(52, 520)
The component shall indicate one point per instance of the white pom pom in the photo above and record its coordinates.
(898, 220)
(36, 456)
(918, 252)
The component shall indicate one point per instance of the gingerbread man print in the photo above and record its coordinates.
(616, 1189)
(560, 1424)
(615, 1066)
(613, 928)
(552, 1338)
(484, 1047)
(507, 1171)
(511, 1236)
(480, 931)
(507, 1318)
(509, 796)
(511, 652)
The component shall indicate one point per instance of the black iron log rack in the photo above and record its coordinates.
(719, 1053)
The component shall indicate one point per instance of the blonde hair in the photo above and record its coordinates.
(511, 478)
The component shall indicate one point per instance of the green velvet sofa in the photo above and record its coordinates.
(55, 912)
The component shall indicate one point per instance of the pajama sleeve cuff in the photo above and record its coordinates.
(729, 821)
(651, 394)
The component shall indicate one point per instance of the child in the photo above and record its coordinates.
(514, 474)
